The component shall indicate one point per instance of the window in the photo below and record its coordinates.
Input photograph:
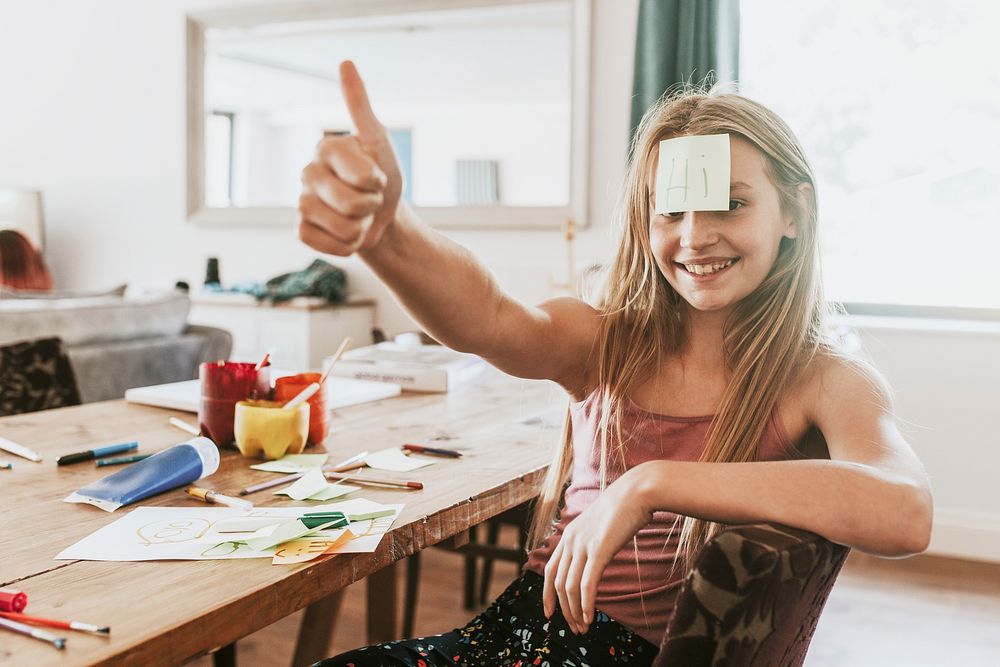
(897, 104)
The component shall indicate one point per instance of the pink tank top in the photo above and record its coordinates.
(636, 589)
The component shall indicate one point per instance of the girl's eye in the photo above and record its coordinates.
(733, 204)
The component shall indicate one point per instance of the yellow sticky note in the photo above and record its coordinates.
(304, 550)
(693, 174)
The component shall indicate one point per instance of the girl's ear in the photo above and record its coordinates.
(804, 194)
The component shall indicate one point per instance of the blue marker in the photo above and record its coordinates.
(95, 453)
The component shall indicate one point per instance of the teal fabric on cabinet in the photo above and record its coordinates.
(680, 41)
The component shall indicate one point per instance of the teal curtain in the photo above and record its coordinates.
(679, 41)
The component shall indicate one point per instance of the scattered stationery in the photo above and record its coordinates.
(431, 368)
(12, 447)
(421, 449)
(52, 623)
(118, 460)
(97, 452)
(42, 635)
(313, 486)
(351, 463)
(209, 496)
(373, 480)
(292, 463)
(209, 533)
(394, 459)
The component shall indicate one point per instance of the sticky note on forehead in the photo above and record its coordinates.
(693, 174)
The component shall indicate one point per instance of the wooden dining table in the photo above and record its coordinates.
(167, 612)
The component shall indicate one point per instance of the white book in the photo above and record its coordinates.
(430, 368)
(186, 395)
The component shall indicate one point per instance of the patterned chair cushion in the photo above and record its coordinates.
(753, 597)
(36, 375)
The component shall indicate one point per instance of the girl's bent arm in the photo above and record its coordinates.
(873, 495)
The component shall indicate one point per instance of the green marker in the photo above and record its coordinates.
(6, 466)
(121, 459)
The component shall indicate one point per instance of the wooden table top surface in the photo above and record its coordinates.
(164, 612)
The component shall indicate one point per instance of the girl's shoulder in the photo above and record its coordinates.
(829, 378)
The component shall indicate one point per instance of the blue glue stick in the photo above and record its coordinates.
(173, 467)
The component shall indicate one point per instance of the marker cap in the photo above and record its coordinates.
(11, 600)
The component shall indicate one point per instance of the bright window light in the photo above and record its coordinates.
(897, 104)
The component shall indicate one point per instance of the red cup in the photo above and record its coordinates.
(223, 385)
(286, 388)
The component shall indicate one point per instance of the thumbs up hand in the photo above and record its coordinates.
(352, 188)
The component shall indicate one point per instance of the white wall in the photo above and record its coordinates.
(92, 112)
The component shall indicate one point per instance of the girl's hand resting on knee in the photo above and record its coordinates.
(351, 189)
(587, 546)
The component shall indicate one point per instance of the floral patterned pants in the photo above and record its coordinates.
(512, 632)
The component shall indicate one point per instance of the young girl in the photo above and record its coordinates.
(703, 391)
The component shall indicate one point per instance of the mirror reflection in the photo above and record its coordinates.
(477, 101)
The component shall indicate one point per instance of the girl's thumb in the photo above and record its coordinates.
(353, 88)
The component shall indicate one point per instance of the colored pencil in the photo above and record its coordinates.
(352, 463)
(19, 450)
(52, 623)
(375, 480)
(421, 449)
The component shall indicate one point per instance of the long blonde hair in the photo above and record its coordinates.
(768, 340)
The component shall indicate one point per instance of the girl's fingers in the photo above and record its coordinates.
(316, 212)
(337, 194)
(320, 239)
(572, 610)
(548, 587)
(560, 584)
(588, 592)
(345, 156)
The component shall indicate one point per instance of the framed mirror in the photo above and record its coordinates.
(486, 102)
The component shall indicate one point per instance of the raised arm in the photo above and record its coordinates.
(351, 203)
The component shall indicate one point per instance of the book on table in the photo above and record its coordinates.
(430, 368)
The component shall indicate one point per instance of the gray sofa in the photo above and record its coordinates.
(115, 343)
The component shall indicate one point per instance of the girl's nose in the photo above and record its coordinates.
(697, 230)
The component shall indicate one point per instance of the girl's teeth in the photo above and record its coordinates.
(704, 269)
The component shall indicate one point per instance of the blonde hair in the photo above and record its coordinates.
(768, 340)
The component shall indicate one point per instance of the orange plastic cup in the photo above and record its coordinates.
(286, 388)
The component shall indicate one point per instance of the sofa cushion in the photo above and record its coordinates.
(85, 320)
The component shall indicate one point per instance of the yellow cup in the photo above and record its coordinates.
(263, 429)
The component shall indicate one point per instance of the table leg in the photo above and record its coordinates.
(225, 656)
(316, 630)
(381, 591)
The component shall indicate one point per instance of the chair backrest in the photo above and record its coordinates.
(36, 375)
(753, 597)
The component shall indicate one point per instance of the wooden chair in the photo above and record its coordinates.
(36, 375)
(753, 598)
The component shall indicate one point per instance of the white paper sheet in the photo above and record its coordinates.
(394, 459)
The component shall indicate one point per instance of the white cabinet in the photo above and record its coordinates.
(299, 334)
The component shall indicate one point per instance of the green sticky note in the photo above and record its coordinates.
(293, 463)
(285, 532)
